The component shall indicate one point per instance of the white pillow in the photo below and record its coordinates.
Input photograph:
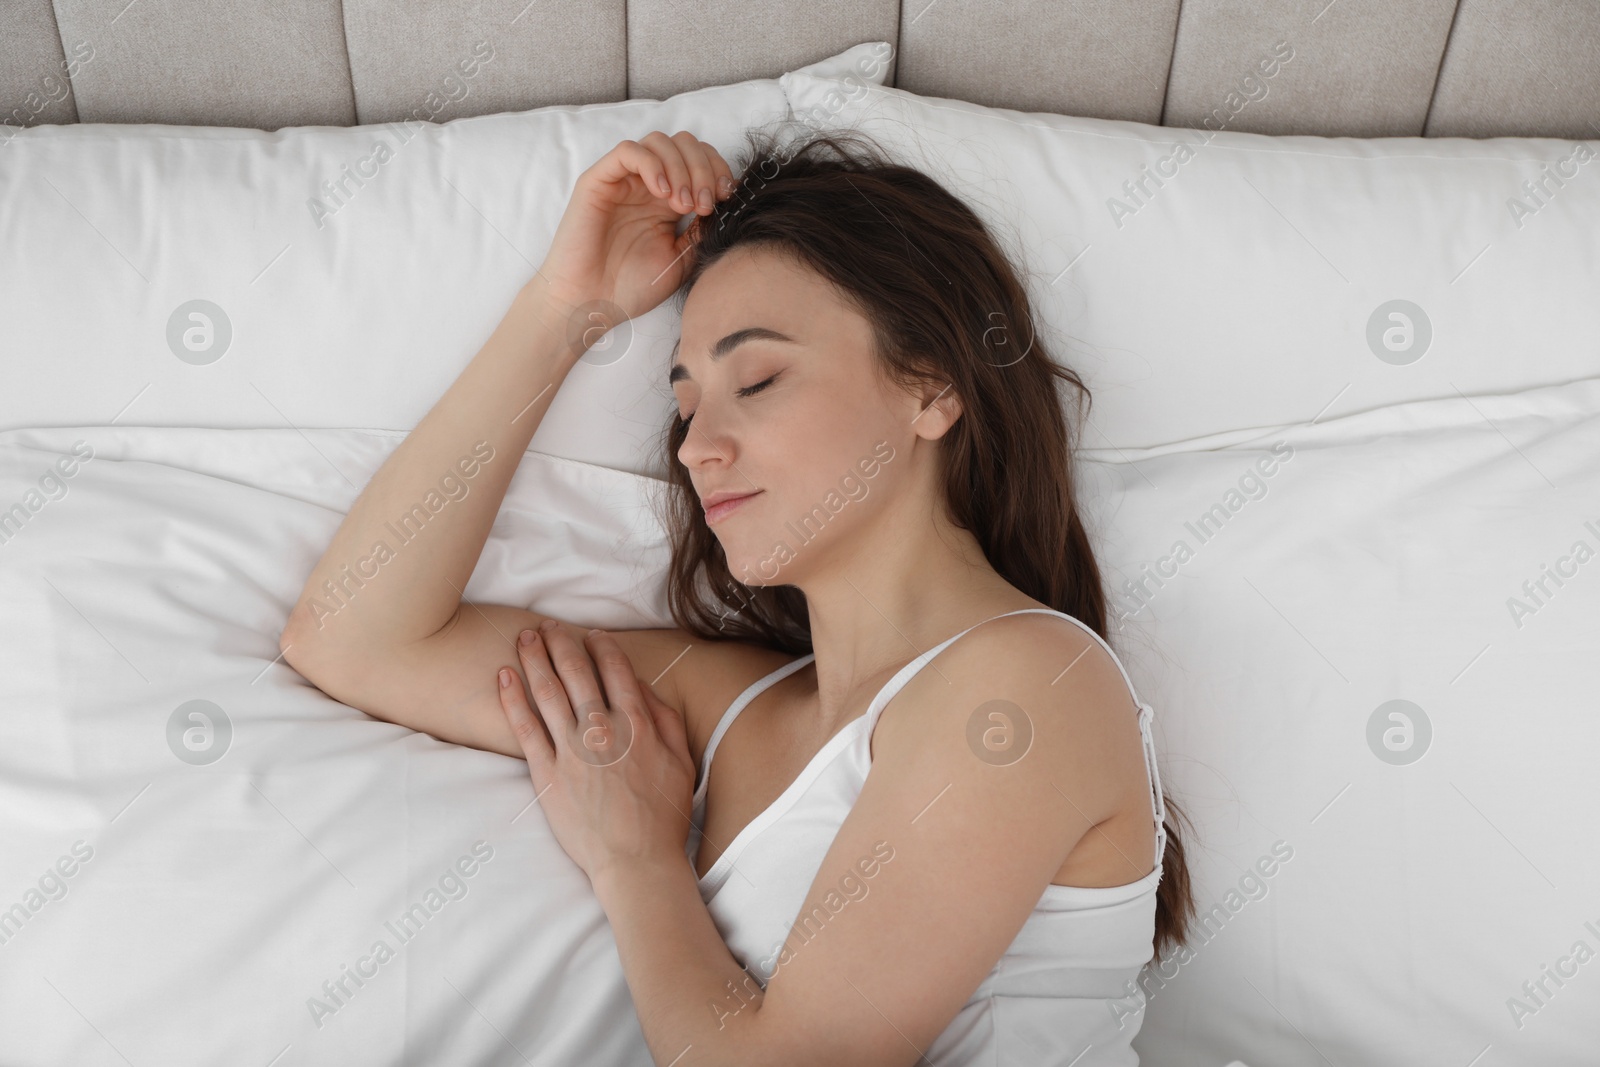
(1244, 290)
(1363, 601)
(331, 309)
(1377, 528)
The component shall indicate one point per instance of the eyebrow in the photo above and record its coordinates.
(738, 337)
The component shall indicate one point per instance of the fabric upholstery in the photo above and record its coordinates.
(1475, 68)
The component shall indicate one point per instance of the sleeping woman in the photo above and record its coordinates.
(884, 794)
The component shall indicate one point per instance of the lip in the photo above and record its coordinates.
(719, 505)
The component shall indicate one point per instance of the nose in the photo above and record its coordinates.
(705, 443)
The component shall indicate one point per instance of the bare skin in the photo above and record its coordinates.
(885, 579)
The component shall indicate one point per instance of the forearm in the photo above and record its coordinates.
(687, 988)
(393, 571)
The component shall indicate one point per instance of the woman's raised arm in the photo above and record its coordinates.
(394, 570)
(393, 574)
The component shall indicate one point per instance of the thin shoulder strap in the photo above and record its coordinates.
(1086, 628)
(904, 675)
(754, 690)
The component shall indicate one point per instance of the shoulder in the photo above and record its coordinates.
(700, 677)
(1036, 695)
(1059, 663)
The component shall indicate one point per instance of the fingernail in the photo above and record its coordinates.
(706, 203)
(725, 183)
(593, 633)
(684, 197)
(525, 637)
(663, 186)
(505, 678)
(547, 625)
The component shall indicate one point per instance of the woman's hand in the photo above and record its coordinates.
(617, 782)
(616, 240)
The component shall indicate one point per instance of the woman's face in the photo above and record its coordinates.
(777, 373)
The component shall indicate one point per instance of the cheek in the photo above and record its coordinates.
(823, 441)
(819, 443)
(835, 459)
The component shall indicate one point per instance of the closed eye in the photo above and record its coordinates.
(749, 390)
(752, 390)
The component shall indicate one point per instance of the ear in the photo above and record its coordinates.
(938, 409)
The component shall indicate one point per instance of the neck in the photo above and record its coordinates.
(905, 588)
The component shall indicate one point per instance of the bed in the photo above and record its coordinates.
(1337, 304)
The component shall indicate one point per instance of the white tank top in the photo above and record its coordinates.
(1064, 992)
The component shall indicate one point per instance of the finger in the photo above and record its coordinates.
(684, 243)
(623, 693)
(572, 665)
(720, 170)
(549, 693)
(525, 725)
(702, 179)
(671, 157)
(631, 157)
(667, 721)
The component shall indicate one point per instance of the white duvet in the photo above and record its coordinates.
(285, 880)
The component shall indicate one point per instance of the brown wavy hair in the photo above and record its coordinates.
(946, 306)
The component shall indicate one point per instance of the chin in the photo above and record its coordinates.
(754, 570)
(758, 566)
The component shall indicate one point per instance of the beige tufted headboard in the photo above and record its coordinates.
(1365, 68)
